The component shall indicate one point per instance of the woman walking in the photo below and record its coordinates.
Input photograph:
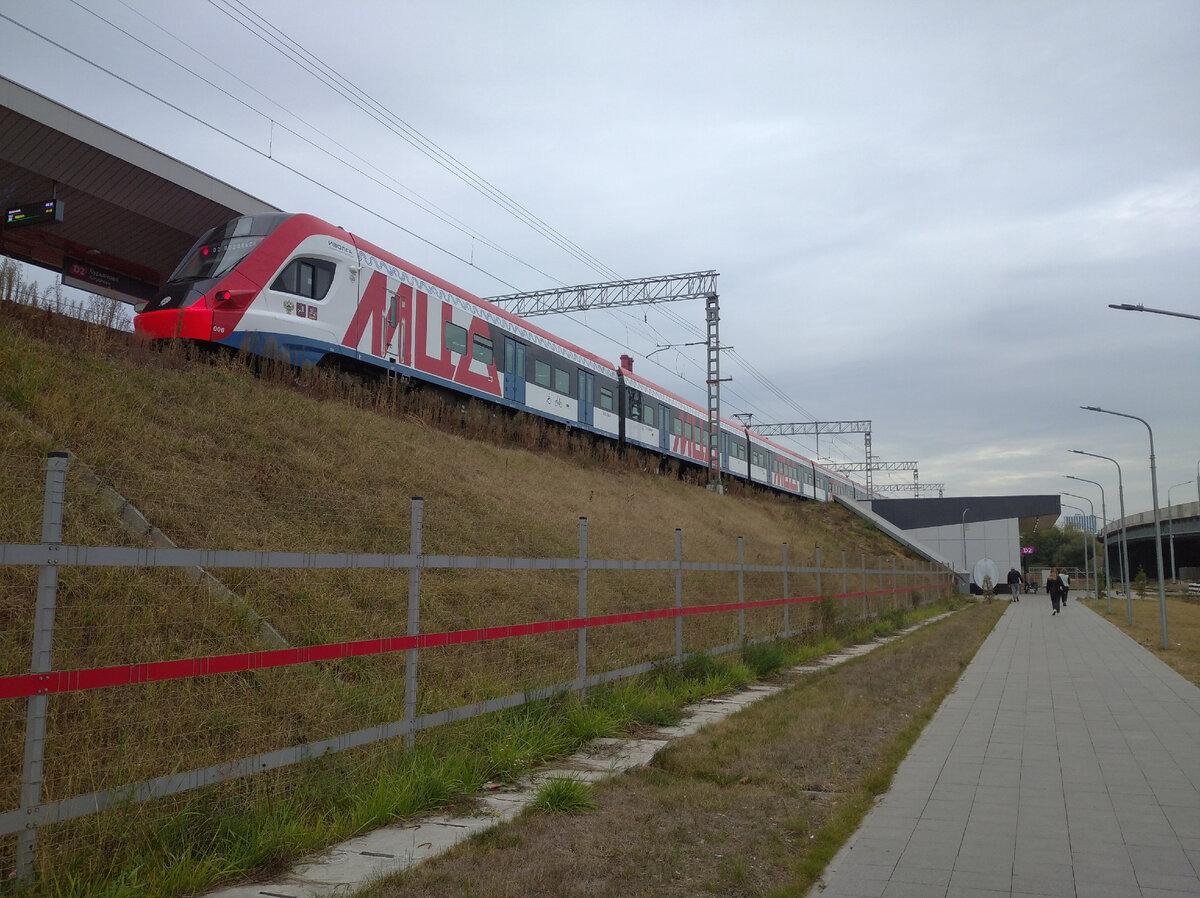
(1054, 586)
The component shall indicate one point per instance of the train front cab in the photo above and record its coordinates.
(185, 306)
(265, 284)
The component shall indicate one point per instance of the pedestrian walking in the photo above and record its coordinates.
(1054, 588)
(1014, 585)
(1066, 585)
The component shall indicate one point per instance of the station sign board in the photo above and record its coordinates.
(105, 282)
(1026, 550)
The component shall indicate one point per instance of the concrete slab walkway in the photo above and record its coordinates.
(1066, 762)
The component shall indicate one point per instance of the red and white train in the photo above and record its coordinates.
(296, 288)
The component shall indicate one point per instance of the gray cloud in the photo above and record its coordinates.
(920, 211)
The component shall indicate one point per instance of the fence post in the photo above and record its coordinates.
(894, 583)
(414, 621)
(820, 593)
(43, 639)
(845, 585)
(866, 600)
(678, 596)
(787, 607)
(581, 668)
(741, 597)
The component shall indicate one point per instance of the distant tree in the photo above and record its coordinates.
(16, 287)
(1141, 582)
(108, 312)
(10, 279)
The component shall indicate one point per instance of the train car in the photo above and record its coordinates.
(298, 289)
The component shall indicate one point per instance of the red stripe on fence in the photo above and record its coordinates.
(55, 682)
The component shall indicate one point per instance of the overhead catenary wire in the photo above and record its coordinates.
(408, 194)
(287, 46)
(290, 47)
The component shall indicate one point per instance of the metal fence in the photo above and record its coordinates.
(80, 714)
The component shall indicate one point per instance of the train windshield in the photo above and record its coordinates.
(220, 250)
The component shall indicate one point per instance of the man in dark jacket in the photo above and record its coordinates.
(1014, 585)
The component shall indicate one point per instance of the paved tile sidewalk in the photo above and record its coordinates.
(1066, 762)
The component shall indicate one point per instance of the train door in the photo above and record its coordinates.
(587, 386)
(514, 370)
(664, 428)
(394, 351)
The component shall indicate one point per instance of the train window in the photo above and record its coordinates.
(309, 278)
(455, 338)
(687, 430)
(541, 373)
(562, 381)
(393, 313)
(213, 259)
(606, 399)
(648, 415)
(677, 427)
(481, 350)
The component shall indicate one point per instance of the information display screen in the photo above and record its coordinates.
(47, 212)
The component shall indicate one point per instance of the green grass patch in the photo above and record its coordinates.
(764, 658)
(564, 795)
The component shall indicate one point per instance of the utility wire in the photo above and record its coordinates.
(289, 47)
(408, 194)
(284, 44)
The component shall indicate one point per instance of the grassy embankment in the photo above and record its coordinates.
(218, 458)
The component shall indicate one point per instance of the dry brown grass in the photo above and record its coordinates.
(750, 806)
(220, 458)
(1183, 629)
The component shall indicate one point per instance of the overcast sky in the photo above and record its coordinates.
(920, 211)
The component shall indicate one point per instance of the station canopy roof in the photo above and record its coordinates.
(129, 214)
(1033, 512)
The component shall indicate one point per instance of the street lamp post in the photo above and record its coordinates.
(966, 573)
(1138, 307)
(1162, 591)
(1085, 563)
(1123, 543)
(1171, 527)
(1095, 564)
(1104, 518)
